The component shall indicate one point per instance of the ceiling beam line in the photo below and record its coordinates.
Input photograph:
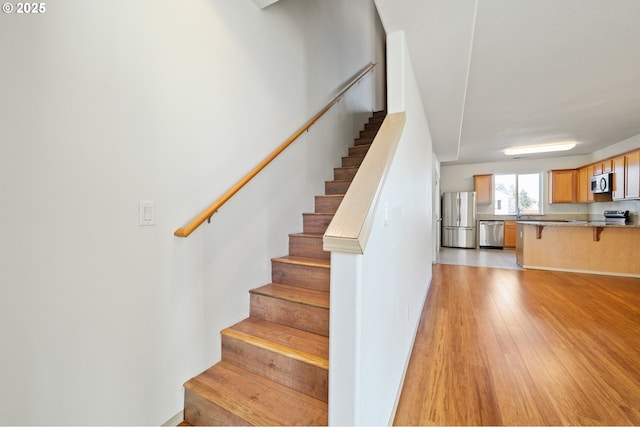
(466, 82)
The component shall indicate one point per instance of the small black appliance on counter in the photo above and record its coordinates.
(616, 217)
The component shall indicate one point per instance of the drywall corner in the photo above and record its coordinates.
(396, 51)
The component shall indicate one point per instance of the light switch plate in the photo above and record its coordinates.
(146, 213)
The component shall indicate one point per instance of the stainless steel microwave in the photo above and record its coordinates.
(601, 183)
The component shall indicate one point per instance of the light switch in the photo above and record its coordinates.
(146, 213)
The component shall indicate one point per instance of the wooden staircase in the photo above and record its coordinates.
(274, 368)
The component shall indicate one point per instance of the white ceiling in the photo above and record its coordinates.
(500, 73)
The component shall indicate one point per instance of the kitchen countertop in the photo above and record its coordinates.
(577, 224)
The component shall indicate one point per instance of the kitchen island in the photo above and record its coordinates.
(579, 246)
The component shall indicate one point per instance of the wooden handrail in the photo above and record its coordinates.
(208, 213)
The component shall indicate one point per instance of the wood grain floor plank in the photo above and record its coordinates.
(510, 347)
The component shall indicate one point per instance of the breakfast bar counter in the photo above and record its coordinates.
(579, 246)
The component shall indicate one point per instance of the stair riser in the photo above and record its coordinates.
(201, 412)
(352, 161)
(336, 187)
(363, 141)
(368, 133)
(327, 204)
(344, 173)
(303, 377)
(316, 223)
(307, 247)
(376, 119)
(373, 126)
(303, 276)
(289, 313)
(359, 150)
(381, 113)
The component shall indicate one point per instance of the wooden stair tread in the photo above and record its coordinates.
(294, 294)
(294, 343)
(310, 262)
(338, 181)
(310, 235)
(361, 146)
(337, 196)
(318, 214)
(256, 399)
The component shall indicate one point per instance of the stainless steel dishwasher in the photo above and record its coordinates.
(491, 234)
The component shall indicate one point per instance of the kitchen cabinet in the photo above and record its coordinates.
(566, 246)
(602, 167)
(632, 175)
(625, 182)
(509, 234)
(597, 168)
(483, 185)
(519, 244)
(584, 194)
(618, 178)
(562, 186)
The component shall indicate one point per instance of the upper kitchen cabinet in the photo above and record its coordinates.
(574, 185)
(618, 178)
(563, 186)
(632, 175)
(584, 194)
(605, 166)
(483, 188)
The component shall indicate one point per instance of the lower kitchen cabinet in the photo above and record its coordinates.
(509, 234)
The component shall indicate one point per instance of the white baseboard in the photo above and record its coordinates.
(175, 420)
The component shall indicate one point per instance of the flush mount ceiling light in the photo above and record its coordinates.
(540, 148)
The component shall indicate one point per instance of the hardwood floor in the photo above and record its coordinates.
(509, 347)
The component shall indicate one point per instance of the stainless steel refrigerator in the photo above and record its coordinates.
(459, 220)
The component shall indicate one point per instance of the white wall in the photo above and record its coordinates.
(377, 297)
(105, 103)
(628, 144)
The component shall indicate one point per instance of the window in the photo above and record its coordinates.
(527, 187)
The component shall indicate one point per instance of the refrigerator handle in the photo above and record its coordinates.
(458, 203)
